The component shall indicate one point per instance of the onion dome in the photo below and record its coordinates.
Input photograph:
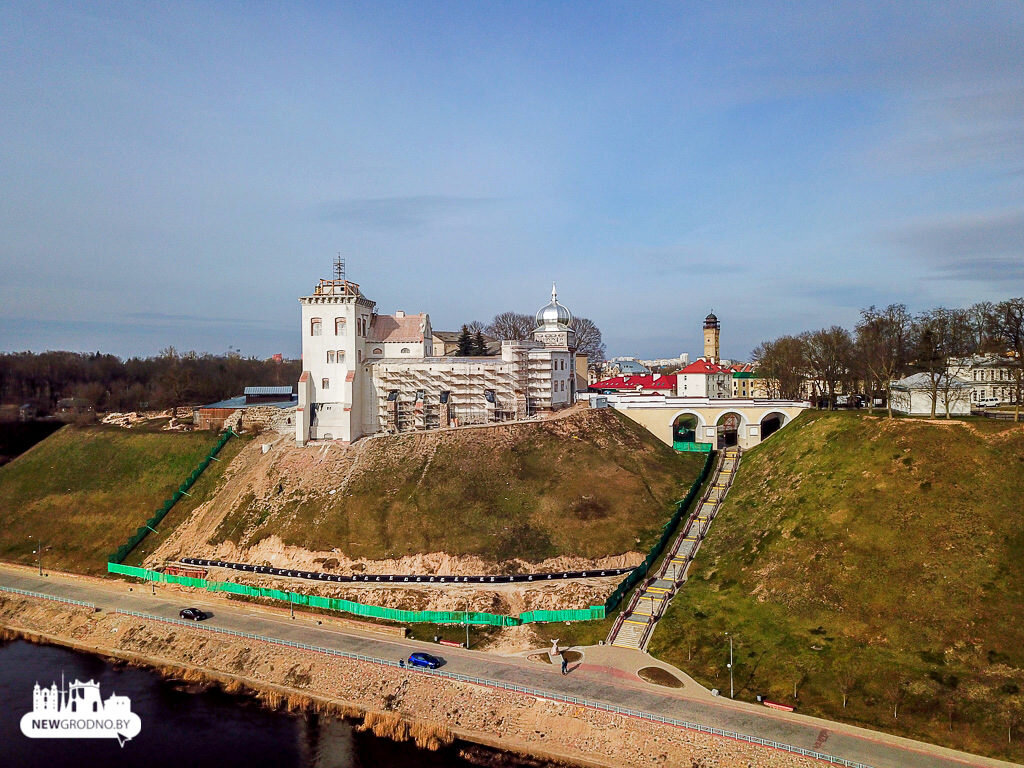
(553, 316)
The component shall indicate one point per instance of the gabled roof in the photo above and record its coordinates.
(409, 328)
(703, 366)
(924, 381)
(650, 381)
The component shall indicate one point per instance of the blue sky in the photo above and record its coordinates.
(179, 173)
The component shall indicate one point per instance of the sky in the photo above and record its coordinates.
(178, 174)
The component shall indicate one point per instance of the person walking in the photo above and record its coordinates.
(565, 665)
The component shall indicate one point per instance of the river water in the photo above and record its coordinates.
(184, 727)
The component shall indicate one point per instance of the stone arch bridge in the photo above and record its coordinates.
(702, 423)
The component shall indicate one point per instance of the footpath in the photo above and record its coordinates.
(605, 677)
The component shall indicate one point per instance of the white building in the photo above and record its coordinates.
(915, 394)
(991, 376)
(365, 373)
(703, 378)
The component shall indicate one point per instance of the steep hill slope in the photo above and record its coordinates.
(883, 559)
(83, 490)
(588, 485)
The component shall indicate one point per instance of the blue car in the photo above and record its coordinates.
(424, 660)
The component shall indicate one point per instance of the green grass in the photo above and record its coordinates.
(888, 553)
(588, 485)
(83, 491)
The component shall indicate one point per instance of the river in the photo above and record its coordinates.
(187, 725)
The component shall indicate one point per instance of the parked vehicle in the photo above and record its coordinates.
(988, 402)
(193, 614)
(425, 660)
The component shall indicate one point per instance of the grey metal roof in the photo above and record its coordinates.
(261, 391)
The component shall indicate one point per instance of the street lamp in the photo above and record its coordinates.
(732, 690)
(465, 620)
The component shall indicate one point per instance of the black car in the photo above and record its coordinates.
(192, 613)
(424, 660)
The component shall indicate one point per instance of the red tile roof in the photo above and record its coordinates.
(650, 381)
(409, 328)
(703, 366)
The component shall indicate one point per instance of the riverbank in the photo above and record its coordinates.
(399, 703)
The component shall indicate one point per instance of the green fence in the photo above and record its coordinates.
(151, 523)
(692, 447)
(369, 611)
(667, 532)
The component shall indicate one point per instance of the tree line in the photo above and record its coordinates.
(888, 344)
(109, 383)
(516, 326)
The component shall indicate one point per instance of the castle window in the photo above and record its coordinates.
(330, 356)
(378, 351)
(325, 384)
(405, 350)
(421, 395)
(339, 326)
(341, 355)
(314, 326)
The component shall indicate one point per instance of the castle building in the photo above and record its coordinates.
(366, 373)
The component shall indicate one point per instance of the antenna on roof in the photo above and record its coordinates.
(339, 267)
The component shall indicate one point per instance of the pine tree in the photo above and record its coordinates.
(479, 345)
(465, 343)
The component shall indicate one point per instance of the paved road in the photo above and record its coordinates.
(606, 675)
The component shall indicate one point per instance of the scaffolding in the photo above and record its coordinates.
(436, 393)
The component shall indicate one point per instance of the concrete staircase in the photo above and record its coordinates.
(637, 622)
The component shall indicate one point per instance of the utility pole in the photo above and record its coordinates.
(732, 690)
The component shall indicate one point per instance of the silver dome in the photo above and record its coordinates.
(553, 316)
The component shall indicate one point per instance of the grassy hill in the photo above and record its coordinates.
(83, 490)
(880, 559)
(590, 484)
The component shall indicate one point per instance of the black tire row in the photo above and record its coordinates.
(411, 579)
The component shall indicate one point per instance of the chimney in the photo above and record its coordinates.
(399, 314)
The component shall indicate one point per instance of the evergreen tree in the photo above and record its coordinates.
(465, 343)
(479, 344)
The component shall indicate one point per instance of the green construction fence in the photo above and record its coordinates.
(141, 533)
(359, 609)
(635, 576)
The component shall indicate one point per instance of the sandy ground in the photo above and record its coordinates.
(387, 696)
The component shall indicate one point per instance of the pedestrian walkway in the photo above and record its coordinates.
(636, 623)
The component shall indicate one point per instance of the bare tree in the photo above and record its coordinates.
(939, 335)
(896, 692)
(1012, 716)
(980, 317)
(847, 674)
(781, 365)
(476, 325)
(510, 326)
(828, 354)
(588, 338)
(1008, 329)
(883, 347)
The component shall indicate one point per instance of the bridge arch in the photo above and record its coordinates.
(687, 426)
(772, 421)
(731, 427)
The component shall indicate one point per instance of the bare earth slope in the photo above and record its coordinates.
(588, 486)
(879, 558)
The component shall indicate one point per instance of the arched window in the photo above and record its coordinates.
(314, 326)
(325, 384)
(405, 350)
(339, 326)
(330, 356)
(378, 351)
